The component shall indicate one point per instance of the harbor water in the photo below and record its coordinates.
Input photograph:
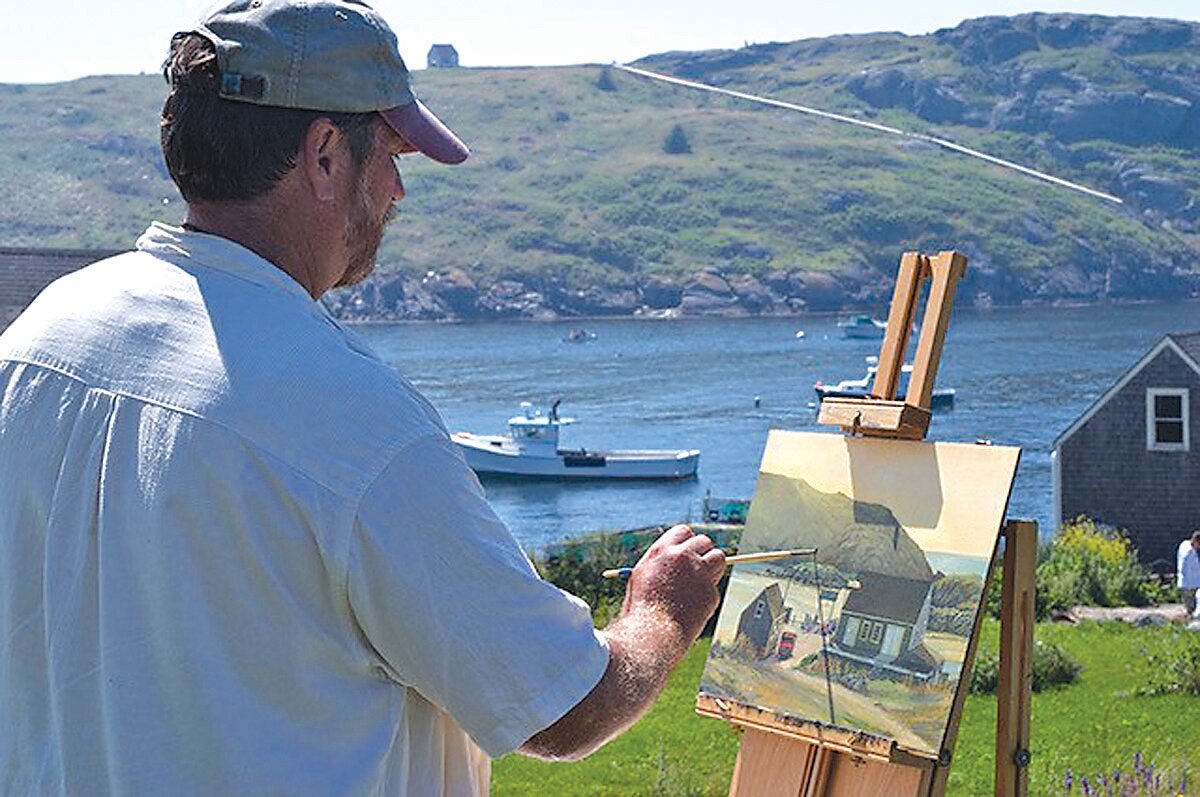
(1022, 377)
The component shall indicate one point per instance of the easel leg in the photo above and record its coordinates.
(1014, 691)
(770, 765)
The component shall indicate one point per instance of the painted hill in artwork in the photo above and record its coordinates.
(851, 535)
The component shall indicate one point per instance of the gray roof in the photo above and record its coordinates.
(1185, 344)
(1189, 342)
(774, 598)
(888, 597)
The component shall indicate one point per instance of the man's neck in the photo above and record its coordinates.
(285, 238)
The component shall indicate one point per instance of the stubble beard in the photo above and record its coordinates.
(363, 235)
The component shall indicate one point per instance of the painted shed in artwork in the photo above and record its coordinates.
(883, 624)
(762, 621)
(1128, 461)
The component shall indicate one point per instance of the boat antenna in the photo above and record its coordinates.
(554, 410)
(895, 131)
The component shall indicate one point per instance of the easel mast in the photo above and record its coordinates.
(813, 760)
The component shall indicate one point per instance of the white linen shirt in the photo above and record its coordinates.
(1187, 568)
(240, 555)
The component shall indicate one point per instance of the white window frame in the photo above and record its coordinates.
(1152, 443)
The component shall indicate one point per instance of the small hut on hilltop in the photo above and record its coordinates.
(442, 56)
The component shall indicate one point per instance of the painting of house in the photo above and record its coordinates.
(879, 612)
(762, 622)
(1128, 462)
(883, 623)
(442, 56)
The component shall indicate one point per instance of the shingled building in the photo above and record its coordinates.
(24, 272)
(1128, 461)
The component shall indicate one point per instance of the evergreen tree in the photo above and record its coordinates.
(605, 82)
(676, 142)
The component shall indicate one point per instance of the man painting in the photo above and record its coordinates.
(238, 553)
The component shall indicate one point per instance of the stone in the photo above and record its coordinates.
(659, 293)
(454, 288)
(708, 293)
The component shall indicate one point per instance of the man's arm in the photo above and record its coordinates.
(671, 594)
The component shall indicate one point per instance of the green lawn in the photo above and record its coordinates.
(1092, 727)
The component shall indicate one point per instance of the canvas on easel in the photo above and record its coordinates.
(847, 667)
(869, 635)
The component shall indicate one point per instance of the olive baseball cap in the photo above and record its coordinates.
(323, 55)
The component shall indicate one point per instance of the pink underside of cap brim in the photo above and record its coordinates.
(425, 133)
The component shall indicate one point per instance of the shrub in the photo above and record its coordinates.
(576, 565)
(1086, 565)
(605, 81)
(1052, 666)
(577, 570)
(676, 142)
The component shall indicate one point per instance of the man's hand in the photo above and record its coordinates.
(678, 576)
(671, 594)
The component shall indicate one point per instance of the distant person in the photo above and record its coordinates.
(1188, 572)
(239, 554)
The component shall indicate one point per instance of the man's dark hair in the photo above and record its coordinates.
(225, 150)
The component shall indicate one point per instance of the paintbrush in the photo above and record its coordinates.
(760, 556)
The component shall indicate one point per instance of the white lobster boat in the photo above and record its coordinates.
(531, 449)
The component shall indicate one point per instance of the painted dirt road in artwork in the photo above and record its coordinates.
(870, 633)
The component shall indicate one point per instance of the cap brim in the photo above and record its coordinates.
(425, 133)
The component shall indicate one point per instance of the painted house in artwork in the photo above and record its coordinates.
(883, 624)
(1128, 460)
(441, 56)
(762, 622)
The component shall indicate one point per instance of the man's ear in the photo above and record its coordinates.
(322, 159)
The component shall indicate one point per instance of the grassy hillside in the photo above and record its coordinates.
(570, 197)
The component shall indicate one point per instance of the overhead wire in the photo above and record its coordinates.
(875, 126)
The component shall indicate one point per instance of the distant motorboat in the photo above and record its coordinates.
(530, 449)
(861, 326)
(942, 398)
(579, 335)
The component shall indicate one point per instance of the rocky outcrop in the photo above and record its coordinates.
(709, 293)
(932, 99)
(1029, 96)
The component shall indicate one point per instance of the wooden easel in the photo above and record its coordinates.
(809, 759)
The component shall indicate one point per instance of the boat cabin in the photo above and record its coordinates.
(532, 429)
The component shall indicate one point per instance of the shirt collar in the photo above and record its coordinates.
(186, 248)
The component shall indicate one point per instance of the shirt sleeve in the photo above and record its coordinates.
(455, 609)
(1181, 562)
